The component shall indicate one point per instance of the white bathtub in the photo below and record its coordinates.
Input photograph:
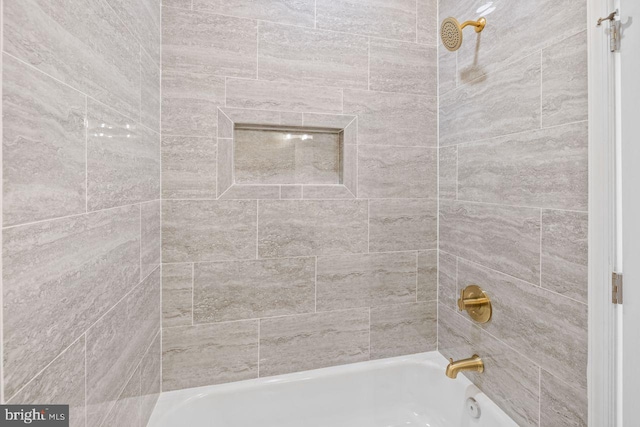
(402, 391)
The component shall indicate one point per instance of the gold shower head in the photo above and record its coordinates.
(451, 31)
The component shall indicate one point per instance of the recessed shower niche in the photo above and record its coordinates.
(270, 155)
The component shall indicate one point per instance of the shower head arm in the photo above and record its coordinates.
(479, 24)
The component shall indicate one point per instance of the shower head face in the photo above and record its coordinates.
(451, 34)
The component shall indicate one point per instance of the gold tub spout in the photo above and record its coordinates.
(474, 363)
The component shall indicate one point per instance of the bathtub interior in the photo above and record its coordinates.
(402, 391)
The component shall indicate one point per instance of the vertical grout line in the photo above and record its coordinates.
(438, 180)
(539, 394)
(86, 154)
(417, 261)
(193, 292)
(140, 93)
(457, 147)
(369, 332)
(368, 225)
(541, 88)
(85, 379)
(140, 216)
(257, 230)
(540, 224)
(315, 308)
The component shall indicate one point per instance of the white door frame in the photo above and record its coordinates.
(601, 373)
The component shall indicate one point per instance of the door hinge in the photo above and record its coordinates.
(614, 30)
(616, 288)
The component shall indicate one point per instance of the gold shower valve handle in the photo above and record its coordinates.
(476, 302)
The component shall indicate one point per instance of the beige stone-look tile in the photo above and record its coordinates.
(252, 117)
(237, 290)
(403, 67)
(402, 224)
(312, 341)
(503, 102)
(117, 343)
(545, 168)
(447, 71)
(509, 379)
(311, 227)
(402, 329)
(142, 18)
(224, 169)
(199, 355)
(208, 230)
(292, 12)
(291, 191)
(208, 44)
(189, 167)
(350, 158)
(504, 238)
(123, 159)
(503, 41)
(427, 288)
(177, 294)
(252, 192)
(126, 409)
(43, 146)
(332, 121)
(448, 280)
(397, 172)
(62, 382)
(564, 81)
(551, 330)
(266, 95)
(565, 253)
(85, 264)
(428, 22)
(393, 118)
(321, 58)
(324, 192)
(225, 125)
(560, 404)
(85, 45)
(190, 100)
(365, 280)
(290, 118)
(448, 169)
(390, 19)
(150, 379)
(150, 245)
(149, 92)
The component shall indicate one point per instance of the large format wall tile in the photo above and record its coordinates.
(565, 253)
(293, 12)
(403, 67)
(117, 343)
(504, 238)
(403, 329)
(85, 264)
(365, 280)
(564, 81)
(551, 330)
(311, 227)
(123, 160)
(448, 170)
(503, 102)
(543, 168)
(204, 44)
(397, 172)
(125, 411)
(259, 94)
(393, 118)
(509, 379)
(447, 280)
(142, 18)
(208, 230)
(150, 245)
(427, 21)
(85, 45)
(391, 19)
(177, 294)
(224, 291)
(150, 379)
(190, 100)
(189, 167)
(149, 92)
(427, 288)
(62, 382)
(200, 355)
(561, 404)
(300, 55)
(311, 341)
(43, 146)
(503, 41)
(402, 224)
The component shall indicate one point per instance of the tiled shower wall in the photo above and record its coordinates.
(81, 209)
(259, 283)
(513, 204)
